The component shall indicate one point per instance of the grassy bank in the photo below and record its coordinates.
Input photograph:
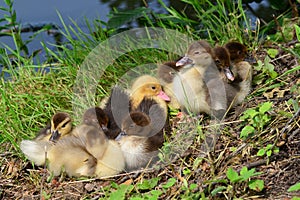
(256, 156)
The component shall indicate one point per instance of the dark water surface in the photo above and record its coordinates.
(39, 12)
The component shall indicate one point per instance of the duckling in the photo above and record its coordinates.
(149, 87)
(237, 51)
(166, 73)
(203, 87)
(141, 137)
(189, 83)
(241, 69)
(116, 108)
(95, 116)
(222, 61)
(85, 152)
(60, 125)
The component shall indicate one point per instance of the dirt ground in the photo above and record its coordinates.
(20, 180)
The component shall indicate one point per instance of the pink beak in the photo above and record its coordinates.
(164, 96)
(184, 61)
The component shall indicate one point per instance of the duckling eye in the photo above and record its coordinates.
(196, 53)
(218, 62)
(131, 126)
(153, 87)
(64, 125)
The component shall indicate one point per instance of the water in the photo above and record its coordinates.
(37, 12)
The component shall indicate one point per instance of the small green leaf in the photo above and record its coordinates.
(272, 52)
(186, 171)
(148, 184)
(257, 185)
(244, 170)
(295, 187)
(120, 192)
(246, 131)
(269, 146)
(265, 107)
(193, 186)
(295, 198)
(155, 194)
(273, 74)
(259, 65)
(217, 190)
(250, 113)
(261, 152)
(232, 175)
(170, 183)
(246, 175)
(269, 153)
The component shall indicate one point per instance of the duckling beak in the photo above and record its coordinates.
(120, 136)
(54, 136)
(164, 96)
(104, 128)
(228, 73)
(184, 61)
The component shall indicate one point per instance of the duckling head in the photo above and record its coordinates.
(95, 116)
(149, 87)
(199, 53)
(167, 71)
(237, 51)
(61, 124)
(222, 60)
(135, 124)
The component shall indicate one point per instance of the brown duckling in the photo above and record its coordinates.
(241, 69)
(149, 87)
(166, 73)
(222, 61)
(142, 136)
(237, 51)
(60, 125)
(85, 152)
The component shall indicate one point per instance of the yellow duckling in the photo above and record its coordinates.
(148, 87)
(85, 151)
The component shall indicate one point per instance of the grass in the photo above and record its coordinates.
(31, 96)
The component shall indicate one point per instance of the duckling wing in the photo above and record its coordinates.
(35, 151)
(116, 108)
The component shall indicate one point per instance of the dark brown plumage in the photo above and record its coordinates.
(95, 116)
(237, 51)
(117, 108)
(143, 134)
